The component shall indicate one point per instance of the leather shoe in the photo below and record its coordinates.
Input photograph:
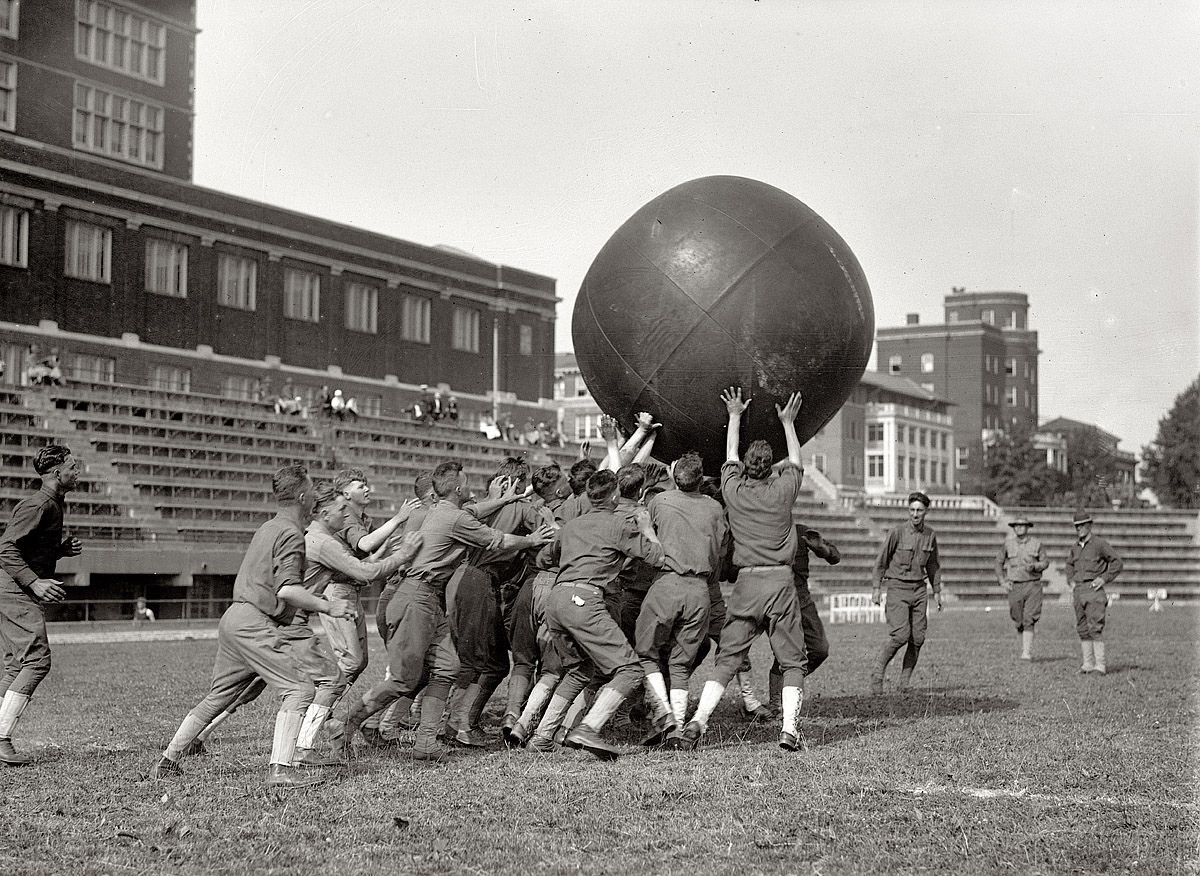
(663, 727)
(165, 769)
(372, 737)
(540, 744)
(589, 740)
(691, 735)
(473, 738)
(308, 758)
(789, 742)
(281, 776)
(760, 713)
(517, 736)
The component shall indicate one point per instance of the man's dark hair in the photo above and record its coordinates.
(630, 480)
(288, 482)
(517, 469)
(689, 472)
(347, 476)
(545, 479)
(579, 473)
(601, 485)
(446, 477)
(50, 457)
(325, 494)
(423, 484)
(758, 459)
(918, 496)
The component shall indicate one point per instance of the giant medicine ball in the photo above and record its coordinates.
(723, 281)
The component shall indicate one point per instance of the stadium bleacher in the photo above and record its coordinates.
(176, 483)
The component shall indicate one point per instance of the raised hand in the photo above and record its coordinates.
(788, 412)
(733, 401)
(608, 428)
(645, 421)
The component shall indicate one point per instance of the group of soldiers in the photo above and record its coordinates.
(582, 588)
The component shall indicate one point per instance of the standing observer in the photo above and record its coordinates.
(1019, 567)
(1091, 564)
(29, 550)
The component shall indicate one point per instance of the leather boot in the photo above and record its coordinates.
(281, 776)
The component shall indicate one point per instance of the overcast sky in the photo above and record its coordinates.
(1045, 147)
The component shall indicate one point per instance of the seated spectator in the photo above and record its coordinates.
(142, 614)
(437, 409)
(489, 428)
(339, 405)
(54, 375)
(326, 401)
(452, 409)
(292, 406)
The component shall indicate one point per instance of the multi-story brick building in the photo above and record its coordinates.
(983, 358)
(113, 259)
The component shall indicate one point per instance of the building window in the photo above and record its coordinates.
(9, 13)
(921, 437)
(819, 462)
(14, 237)
(943, 441)
(875, 465)
(894, 364)
(525, 341)
(239, 386)
(86, 368)
(1010, 367)
(465, 330)
(237, 280)
(111, 37)
(924, 471)
(928, 387)
(1011, 319)
(88, 252)
(369, 405)
(962, 456)
(118, 126)
(874, 432)
(362, 308)
(414, 319)
(170, 378)
(988, 316)
(8, 95)
(945, 475)
(953, 316)
(587, 427)
(927, 363)
(1010, 396)
(912, 468)
(301, 295)
(166, 268)
(1027, 402)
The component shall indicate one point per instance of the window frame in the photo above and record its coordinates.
(301, 294)
(14, 236)
(360, 303)
(927, 363)
(525, 340)
(97, 126)
(242, 299)
(8, 86)
(13, 29)
(416, 318)
(139, 30)
(895, 364)
(71, 242)
(179, 268)
(465, 327)
(173, 373)
(105, 373)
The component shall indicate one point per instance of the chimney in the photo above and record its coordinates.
(912, 319)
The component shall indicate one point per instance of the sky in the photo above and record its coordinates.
(1044, 147)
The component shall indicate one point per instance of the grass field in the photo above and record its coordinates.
(990, 766)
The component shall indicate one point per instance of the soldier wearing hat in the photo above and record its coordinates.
(1019, 567)
(1091, 564)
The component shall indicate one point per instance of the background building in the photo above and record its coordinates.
(111, 259)
(910, 437)
(984, 359)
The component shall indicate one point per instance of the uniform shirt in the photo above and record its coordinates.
(1021, 561)
(354, 531)
(32, 543)
(592, 548)
(575, 505)
(692, 529)
(1090, 559)
(274, 560)
(806, 544)
(760, 514)
(448, 532)
(910, 555)
(516, 518)
(634, 575)
(328, 559)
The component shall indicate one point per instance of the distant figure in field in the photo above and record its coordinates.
(1091, 564)
(30, 548)
(907, 561)
(1019, 567)
(141, 612)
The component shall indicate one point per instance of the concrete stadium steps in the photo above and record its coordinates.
(853, 533)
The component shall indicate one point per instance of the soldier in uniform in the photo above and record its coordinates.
(1019, 567)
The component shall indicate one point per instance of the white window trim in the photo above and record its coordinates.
(86, 142)
(416, 317)
(175, 271)
(302, 295)
(360, 305)
(465, 328)
(8, 122)
(72, 229)
(158, 77)
(14, 20)
(248, 301)
(14, 221)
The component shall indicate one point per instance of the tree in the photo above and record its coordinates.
(1171, 463)
(1017, 472)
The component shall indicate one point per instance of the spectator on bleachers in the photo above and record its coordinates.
(489, 428)
(292, 406)
(339, 405)
(508, 429)
(36, 372)
(437, 409)
(262, 389)
(452, 409)
(529, 433)
(54, 375)
(142, 613)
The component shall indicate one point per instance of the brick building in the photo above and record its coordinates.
(983, 358)
(114, 260)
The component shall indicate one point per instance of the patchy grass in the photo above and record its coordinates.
(991, 765)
